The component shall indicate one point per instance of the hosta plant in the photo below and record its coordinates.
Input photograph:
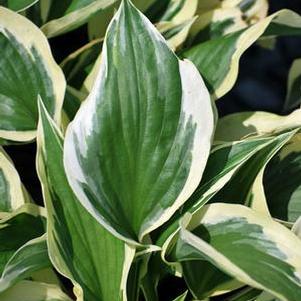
(146, 193)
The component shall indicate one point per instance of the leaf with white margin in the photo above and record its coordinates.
(34, 291)
(239, 126)
(246, 185)
(12, 193)
(249, 246)
(79, 247)
(218, 59)
(31, 257)
(179, 11)
(282, 182)
(29, 70)
(224, 161)
(215, 24)
(137, 147)
(19, 227)
(175, 34)
(76, 15)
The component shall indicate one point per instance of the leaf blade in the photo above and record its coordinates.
(148, 128)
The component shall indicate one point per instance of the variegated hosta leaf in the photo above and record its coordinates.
(218, 59)
(18, 5)
(34, 291)
(79, 247)
(78, 13)
(293, 97)
(239, 126)
(175, 34)
(78, 64)
(254, 10)
(12, 194)
(31, 257)
(179, 11)
(216, 23)
(240, 188)
(17, 228)
(224, 161)
(137, 148)
(282, 182)
(226, 17)
(29, 71)
(250, 247)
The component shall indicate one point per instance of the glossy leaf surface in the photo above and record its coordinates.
(144, 141)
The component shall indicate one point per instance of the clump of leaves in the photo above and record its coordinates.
(144, 186)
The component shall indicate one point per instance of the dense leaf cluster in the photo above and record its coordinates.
(144, 186)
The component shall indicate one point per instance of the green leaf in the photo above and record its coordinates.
(31, 257)
(218, 59)
(179, 11)
(79, 12)
(72, 102)
(22, 225)
(18, 5)
(78, 64)
(144, 141)
(282, 182)
(293, 98)
(210, 282)
(174, 33)
(79, 247)
(216, 23)
(239, 188)
(30, 70)
(247, 294)
(249, 246)
(34, 291)
(224, 161)
(12, 194)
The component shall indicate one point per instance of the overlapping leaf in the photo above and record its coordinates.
(282, 182)
(218, 59)
(18, 5)
(31, 257)
(224, 161)
(242, 125)
(34, 291)
(136, 150)
(22, 225)
(239, 189)
(79, 247)
(246, 245)
(12, 195)
(77, 13)
(293, 100)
